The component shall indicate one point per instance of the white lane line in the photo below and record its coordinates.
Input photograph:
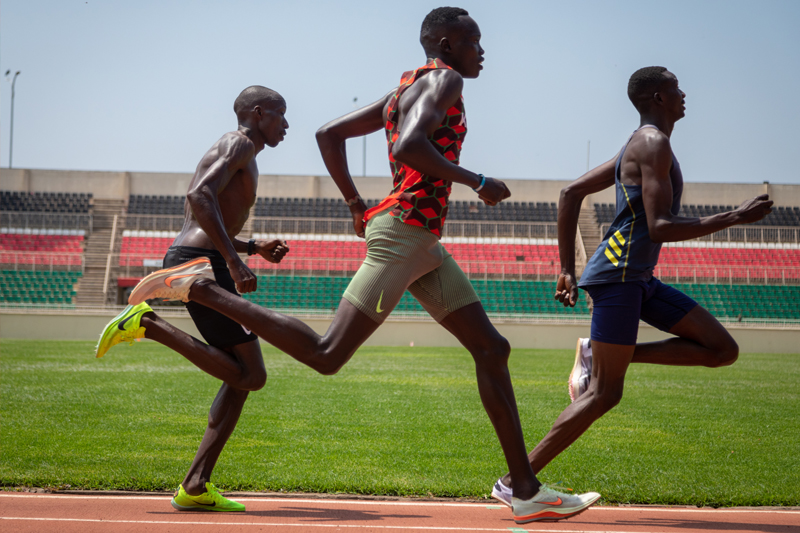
(332, 501)
(283, 524)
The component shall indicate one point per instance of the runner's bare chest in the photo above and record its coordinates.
(238, 197)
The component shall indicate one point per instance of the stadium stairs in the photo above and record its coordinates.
(590, 233)
(92, 288)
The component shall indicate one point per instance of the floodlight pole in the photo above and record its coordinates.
(588, 151)
(11, 134)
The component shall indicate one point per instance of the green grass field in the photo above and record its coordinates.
(404, 421)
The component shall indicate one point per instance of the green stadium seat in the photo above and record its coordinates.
(37, 287)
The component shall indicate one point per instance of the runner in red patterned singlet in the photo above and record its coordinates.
(419, 199)
(425, 123)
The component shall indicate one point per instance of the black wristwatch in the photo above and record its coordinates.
(251, 247)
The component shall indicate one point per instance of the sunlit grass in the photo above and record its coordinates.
(395, 421)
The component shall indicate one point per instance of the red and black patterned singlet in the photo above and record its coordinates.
(416, 198)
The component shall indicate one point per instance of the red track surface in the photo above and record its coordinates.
(21, 512)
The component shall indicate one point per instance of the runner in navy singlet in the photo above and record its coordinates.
(619, 276)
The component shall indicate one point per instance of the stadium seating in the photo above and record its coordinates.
(736, 301)
(41, 287)
(523, 297)
(138, 246)
(309, 293)
(729, 261)
(41, 247)
(780, 216)
(477, 256)
(45, 202)
(512, 275)
(335, 208)
(345, 253)
(156, 205)
(458, 210)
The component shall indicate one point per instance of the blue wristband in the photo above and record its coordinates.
(483, 182)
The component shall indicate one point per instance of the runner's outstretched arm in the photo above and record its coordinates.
(331, 141)
(655, 159)
(569, 208)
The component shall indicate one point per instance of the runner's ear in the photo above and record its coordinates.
(657, 98)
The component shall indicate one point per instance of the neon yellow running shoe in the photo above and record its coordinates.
(124, 328)
(211, 500)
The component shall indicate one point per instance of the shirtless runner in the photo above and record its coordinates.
(218, 204)
(425, 125)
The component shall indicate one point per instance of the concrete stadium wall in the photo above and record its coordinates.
(423, 332)
(121, 184)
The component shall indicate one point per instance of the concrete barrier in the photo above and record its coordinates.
(68, 325)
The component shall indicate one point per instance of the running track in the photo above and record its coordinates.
(89, 513)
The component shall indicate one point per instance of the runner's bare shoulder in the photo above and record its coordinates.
(649, 141)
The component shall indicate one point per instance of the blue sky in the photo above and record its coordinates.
(149, 85)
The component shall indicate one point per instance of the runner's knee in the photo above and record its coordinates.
(492, 354)
(254, 380)
(201, 289)
(606, 400)
(727, 354)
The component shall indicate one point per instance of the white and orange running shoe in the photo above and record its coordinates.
(581, 370)
(550, 504)
(172, 283)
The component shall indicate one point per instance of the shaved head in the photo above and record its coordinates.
(253, 96)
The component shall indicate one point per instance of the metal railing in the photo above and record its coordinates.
(580, 249)
(41, 261)
(729, 275)
(524, 230)
(133, 265)
(110, 256)
(138, 265)
(153, 222)
(749, 233)
(344, 226)
(452, 228)
(36, 220)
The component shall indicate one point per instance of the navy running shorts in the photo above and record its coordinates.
(217, 329)
(619, 306)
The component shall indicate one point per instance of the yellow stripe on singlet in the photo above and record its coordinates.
(612, 258)
(612, 243)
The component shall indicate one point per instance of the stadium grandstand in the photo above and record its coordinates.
(82, 240)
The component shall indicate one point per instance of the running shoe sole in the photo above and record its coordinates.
(194, 509)
(214, 501)
(159, 283)
(575, 375)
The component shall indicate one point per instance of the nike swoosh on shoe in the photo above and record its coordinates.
(122, 324)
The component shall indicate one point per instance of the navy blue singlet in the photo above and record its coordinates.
(627, 253)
